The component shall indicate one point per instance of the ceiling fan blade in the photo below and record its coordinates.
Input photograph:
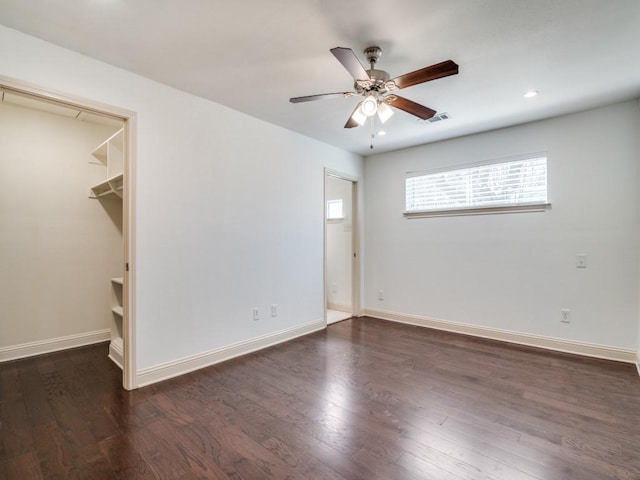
(352, 122)
(322, 96)
(427, 74)
(410, 106)
(349, 61)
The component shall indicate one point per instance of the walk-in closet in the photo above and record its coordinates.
(61, 227)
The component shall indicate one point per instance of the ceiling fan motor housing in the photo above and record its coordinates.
(378, 79)
(378, 82)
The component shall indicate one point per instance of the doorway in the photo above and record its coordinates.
(341, 247)
(111, 130)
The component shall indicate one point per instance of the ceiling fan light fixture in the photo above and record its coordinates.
(369, 106)
(384, 112)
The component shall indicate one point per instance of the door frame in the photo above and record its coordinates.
(129, 118)
(355, 240)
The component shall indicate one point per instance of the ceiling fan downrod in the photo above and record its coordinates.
(373, 54)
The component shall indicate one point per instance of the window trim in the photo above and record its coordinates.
(459, 212)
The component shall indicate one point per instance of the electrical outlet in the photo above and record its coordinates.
(581, 260)
(565, 315)
(256, 313)
(380, 294)
(274, 310)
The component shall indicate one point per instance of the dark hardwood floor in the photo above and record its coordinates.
(365, 399)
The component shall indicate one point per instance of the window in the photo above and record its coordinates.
(507, 186)
(334, 209)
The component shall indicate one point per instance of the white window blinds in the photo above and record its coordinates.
(507, 184)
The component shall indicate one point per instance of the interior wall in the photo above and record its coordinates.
(339, 246)
(229, 208)
(59, 248)
(517, 271)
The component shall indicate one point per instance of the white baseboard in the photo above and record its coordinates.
(116, 352)
(30, 349)
(339, 307)
(175, 368)
(549, 343)
(638, 362)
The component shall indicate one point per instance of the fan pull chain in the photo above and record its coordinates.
(373, 134)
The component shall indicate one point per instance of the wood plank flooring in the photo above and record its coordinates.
(365, 399)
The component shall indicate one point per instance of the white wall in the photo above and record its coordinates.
(516, 271)
(229, 208)
(339, 246)
(59, 248)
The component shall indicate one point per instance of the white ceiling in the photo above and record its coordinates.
(252, 55)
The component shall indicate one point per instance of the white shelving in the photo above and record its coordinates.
(111, 186)
(110, 154)
(116, 347)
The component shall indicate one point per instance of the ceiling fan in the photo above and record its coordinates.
(376, 87)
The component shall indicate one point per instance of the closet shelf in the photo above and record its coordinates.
(116, 347)
(110, 154)
(111, 186)
(106, 149)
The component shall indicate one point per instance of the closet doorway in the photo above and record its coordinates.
(341, 247)
(67, 225)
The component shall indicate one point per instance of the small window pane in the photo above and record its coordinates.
(334, 209)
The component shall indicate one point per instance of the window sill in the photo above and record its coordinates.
(457, 212)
